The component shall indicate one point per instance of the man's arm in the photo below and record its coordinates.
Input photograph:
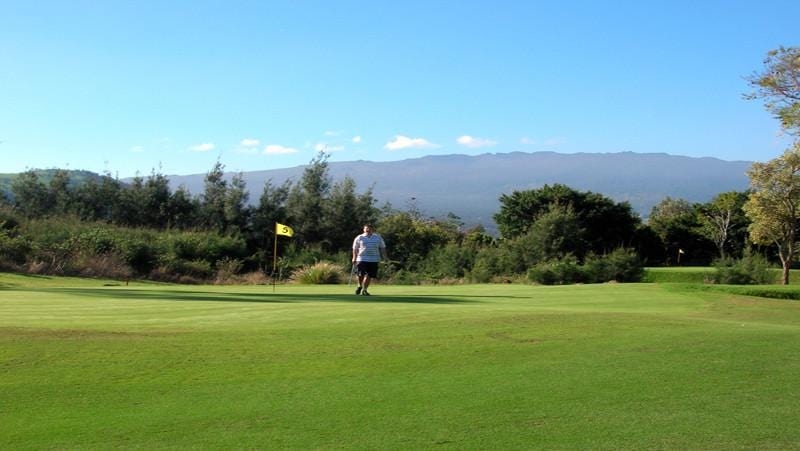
(382, 250)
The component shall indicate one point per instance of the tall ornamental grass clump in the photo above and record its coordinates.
(321, 273)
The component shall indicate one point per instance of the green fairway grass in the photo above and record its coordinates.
(87, 364)
(678, 274)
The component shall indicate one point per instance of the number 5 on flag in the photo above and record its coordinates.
(284, 230)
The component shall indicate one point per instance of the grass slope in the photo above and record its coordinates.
(83, 365)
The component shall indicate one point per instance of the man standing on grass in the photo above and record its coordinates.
(368, 248)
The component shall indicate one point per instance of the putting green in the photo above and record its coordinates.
(93, 364)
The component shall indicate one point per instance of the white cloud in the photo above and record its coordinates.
(356, 139)
(137, 149)
(247, 142)
(527, 141)
(404, 142)
(275, 149)
(205, 147)
(474, 143)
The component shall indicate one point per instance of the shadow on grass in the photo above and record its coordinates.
(206, 296)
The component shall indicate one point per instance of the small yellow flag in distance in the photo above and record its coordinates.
(285, 230)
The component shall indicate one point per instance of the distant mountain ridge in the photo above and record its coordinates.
(470, 186)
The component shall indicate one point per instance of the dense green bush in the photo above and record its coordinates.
(620, 266)
(208, 246)
(749, 270)
(13, 249)
(8, 220)
(448, 261)
(140, 252)
(481, 272)
(558, 272)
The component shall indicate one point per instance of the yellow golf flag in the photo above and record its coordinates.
(285, 230)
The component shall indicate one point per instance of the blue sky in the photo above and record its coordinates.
(130, 86)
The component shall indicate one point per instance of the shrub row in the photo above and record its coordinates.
(70, 247)
(622, 265)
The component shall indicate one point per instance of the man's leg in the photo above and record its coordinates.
(370, 271)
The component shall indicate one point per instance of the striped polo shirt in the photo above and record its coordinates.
(367, 248)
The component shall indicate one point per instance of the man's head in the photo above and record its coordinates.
(368, 229)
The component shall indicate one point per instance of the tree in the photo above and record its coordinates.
(306, 201)
(155, 200)
(345, 212)
(605, 225)
(59, 192)
(98, 201)
(676, 222)
(130, 209)
(779, 86)
(237, 211)
(648, 245)
(213, 198)
(555, 234)
(410, 239)
(722, 219)
(271, 208)
(774, 205)
(519, 210)
(341, 215)
(183, 209)
(31, 196)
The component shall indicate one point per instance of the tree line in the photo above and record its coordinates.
(146, 229)
(553, 234)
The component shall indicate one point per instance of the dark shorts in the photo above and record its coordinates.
(367, 269)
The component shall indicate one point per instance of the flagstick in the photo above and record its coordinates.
(275, 258)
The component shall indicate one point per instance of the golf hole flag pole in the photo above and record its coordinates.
(280, 229)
